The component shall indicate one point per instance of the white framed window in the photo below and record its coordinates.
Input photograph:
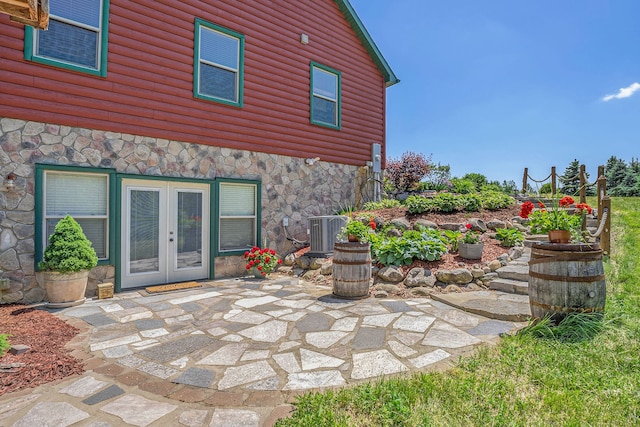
(238, 216)
(325, 96)
(218, 63)
(76, 38)
(84, 196)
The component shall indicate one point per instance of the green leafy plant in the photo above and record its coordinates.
(357, 228)
(446, 202)
(558, 217)
(451, 238)
(495, 200)
(423, 244)
(69, 250)
(419, 204)
(470, 236)
(4, 344)
(509, 237)
(471, 202)
(382, 204)
(264, 260)
(463, 186)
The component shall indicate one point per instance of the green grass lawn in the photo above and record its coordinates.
(581, 374)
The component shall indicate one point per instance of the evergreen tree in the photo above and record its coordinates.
(570, 180)
(615, 171)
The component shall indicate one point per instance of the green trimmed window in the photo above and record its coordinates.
(76, 38)
(325, 96)
(84, 196)
(238, 204)
(218, 74)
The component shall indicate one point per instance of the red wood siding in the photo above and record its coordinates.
(149, 86)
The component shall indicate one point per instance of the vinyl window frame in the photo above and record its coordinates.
(219, 217)
(31, 40)
(202, 25)
(313, 94)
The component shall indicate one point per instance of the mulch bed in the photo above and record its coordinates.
(46, 335)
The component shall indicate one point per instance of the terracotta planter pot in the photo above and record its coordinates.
(470, 250)
(65, 289)
(559, 236)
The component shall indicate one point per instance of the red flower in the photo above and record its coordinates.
(259, 267)
(566, 201)
(279, 261)
(541, 205)
(248, 267)
(468, 226)
(272, 252)
(526, 209)
(372, 224)
(267, 259)
(246, 254)
(584, 206)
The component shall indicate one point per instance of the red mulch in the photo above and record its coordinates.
(46, 335)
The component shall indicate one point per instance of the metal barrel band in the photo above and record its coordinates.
(364, 262)
(556, 278)
(357, 251)
(567, 309)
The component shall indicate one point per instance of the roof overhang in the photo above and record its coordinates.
(365, 38)
(34, 13)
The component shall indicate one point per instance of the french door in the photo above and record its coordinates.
(165, 232)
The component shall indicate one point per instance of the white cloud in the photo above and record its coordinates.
(624, 92)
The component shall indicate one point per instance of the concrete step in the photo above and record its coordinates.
(509, 286)
(514, 271)
(491, 304)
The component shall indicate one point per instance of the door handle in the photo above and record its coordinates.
(171, 240)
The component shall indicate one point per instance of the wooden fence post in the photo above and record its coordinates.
(583, 184)
(553, 181)
(524, 180)
(605, 236)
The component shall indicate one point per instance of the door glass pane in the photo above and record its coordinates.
(144, 217)
(189, 232)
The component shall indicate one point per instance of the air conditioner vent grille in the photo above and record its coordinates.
(324, 230)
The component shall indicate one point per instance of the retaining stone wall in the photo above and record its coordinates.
(289, 188)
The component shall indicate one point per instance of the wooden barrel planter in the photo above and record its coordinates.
(566, 278)
(351, 270)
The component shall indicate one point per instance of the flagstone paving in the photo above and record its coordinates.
(237, 352)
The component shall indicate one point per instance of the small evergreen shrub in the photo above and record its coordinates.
(69, 250)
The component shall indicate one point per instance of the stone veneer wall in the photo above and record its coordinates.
(289, 188)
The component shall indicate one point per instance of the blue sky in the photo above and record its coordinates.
(495, 86)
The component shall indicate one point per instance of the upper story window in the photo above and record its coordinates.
(218, 73)
(76, 38)
(325, 96)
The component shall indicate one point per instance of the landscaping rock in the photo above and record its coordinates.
(402, 223)
(452, 288)
(303, 262)
(380, 294)
(425, 223)
(460, 276)
(317, 263)
(394, 232)
(391, 274)
(422, 291)
(494, 265)
(289, 260)
(477, 224)
(516, 252)
(495, 224)
(311, 275)
(419, 277)
(327, 268)
(388, 287)
(453, 226)
(520, 227)
(477, 273)
(472, 286)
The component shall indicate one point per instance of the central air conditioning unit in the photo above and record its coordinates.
(324, 230)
